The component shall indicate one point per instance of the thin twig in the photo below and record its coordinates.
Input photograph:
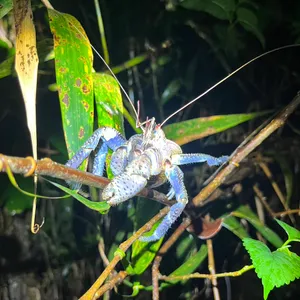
(113, 282)
(163, 250)
(208, 276)
(276, 188)
(101, 249)
(47, 4)
(242, 152)
(212, 269)
(287, 212)
(261, 215)
(262, 199)
(102, 31)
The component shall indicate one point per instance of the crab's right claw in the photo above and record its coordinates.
(123, 187)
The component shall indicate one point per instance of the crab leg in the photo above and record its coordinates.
(175, 177)
(183, 159)
(110, 137)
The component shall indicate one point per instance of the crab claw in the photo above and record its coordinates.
(123, 187)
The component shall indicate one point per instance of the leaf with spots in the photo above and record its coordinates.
(191, 130)
(26, 63)
(109, 105)
(73, 67)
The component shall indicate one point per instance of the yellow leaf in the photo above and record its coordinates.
(26, 63)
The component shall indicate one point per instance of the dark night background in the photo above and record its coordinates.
(192, 48)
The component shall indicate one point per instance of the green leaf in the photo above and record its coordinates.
(233, 225)
(191, 130)
(189, 266)
(109, 107)
(73, 66)
(5, 7)
(144, 253)
(6, 67)
(249, 21)
(101, 207)
(135, 290)
(293, 233)
(170, 91)
(230, 40)
(109, 102)
(221, 9)
(185, 246)
(245, 212)
(274, 268)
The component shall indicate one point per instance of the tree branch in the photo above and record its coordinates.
(46, 167)
(243, 151)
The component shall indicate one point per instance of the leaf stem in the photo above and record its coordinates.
(102, 31)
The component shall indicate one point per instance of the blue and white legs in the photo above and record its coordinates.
(110, 137)
(184, 159)
(175, 177)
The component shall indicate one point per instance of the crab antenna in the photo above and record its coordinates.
(113, 75)
(225, 78)
(138, 123)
